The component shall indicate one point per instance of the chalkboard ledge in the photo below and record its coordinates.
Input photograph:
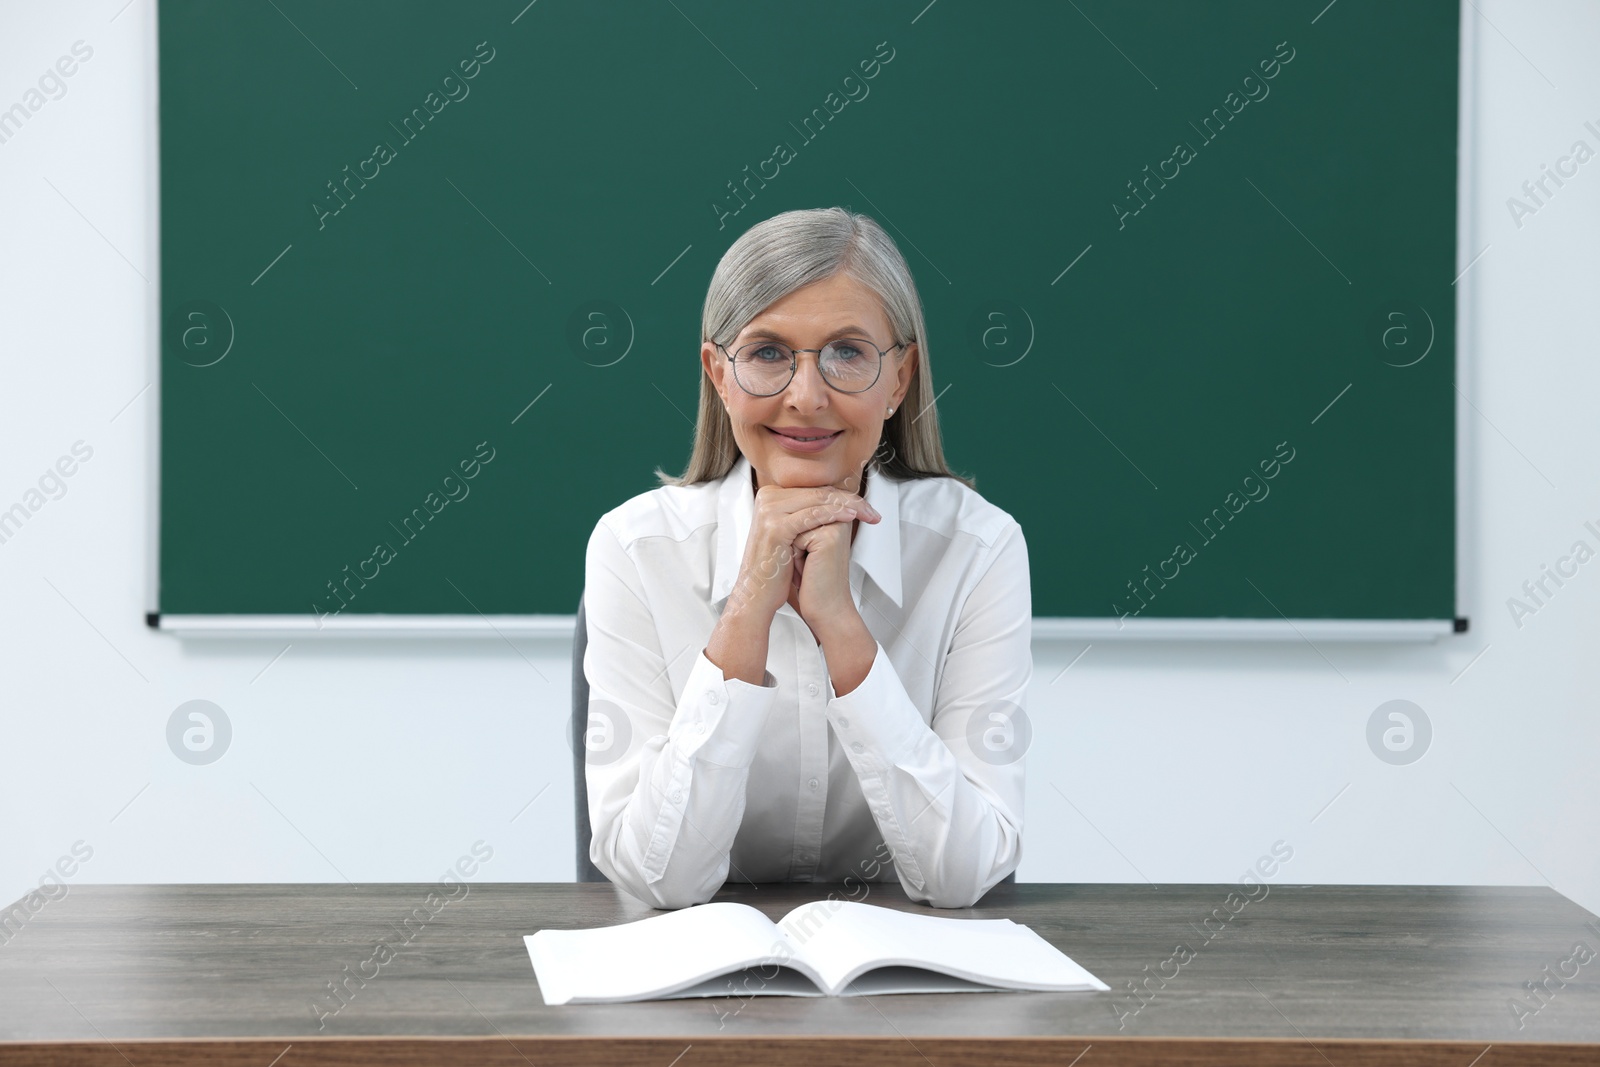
(1231, 629)
(497, 627)
(492, 627)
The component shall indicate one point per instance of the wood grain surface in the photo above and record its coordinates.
(1307, 974)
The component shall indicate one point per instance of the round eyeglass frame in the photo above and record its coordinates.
(794, 363)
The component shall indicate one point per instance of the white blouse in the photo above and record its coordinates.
(915, 774)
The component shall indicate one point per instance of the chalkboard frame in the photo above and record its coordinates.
(497, 626)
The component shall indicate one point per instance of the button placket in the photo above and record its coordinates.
(813, 722)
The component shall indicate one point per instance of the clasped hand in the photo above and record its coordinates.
(799, 551)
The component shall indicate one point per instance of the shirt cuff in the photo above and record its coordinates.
(719, 720)
(876, 722)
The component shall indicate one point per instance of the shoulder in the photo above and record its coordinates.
(671, 511)
(950, 509)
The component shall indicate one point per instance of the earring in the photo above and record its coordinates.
(889, 412)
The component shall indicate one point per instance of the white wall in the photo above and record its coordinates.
(386, 761)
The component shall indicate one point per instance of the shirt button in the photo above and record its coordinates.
(813, 783)
(844, 723)
(677, 796)
(813, 689)
(700, 728)
(713, 696)
(856, 745)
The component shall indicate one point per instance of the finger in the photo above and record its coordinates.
(819, 515)
(798, 499)
(854, 501)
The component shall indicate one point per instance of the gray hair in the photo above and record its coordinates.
(788, 252)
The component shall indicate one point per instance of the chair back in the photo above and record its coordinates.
(587, 871)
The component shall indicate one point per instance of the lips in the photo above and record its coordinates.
(804, 433)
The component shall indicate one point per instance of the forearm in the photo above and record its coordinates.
(955, 845)
(849, 648)
(666, 815)
(666, 758)
(949, 806)
(738, 645)
(707, 813)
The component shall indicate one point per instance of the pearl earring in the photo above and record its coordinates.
(891, 411)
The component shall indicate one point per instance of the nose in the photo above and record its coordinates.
(807, 386)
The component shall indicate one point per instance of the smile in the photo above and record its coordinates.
(807, 443)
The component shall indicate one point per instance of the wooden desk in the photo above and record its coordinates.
(1314, 975)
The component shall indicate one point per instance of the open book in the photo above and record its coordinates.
(824, 948)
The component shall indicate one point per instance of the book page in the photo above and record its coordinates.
(770, 980)
(912, 980)
(656, 957)
(843, 940)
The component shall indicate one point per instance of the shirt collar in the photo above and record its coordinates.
(875, 553)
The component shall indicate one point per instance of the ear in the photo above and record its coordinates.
(715, 366)
(905, 372)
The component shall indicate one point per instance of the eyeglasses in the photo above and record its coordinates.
(850, 365)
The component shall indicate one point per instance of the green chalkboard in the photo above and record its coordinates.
(1165, 249)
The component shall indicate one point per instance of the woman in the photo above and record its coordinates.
(808, 655)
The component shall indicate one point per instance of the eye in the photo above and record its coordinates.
(847, 350)
(766, 353)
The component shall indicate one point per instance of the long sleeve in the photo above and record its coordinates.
(666, 776)
(947, 795)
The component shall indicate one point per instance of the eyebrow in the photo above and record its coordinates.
(837, 332)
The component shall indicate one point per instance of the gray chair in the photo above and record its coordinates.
(587, 871)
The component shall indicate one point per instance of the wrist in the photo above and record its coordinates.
(739, 649)
(842, 626)
(849, 649)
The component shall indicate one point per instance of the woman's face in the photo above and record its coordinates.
(824, 311)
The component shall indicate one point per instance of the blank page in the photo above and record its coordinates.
(770, 980)
(650, 957)
(912, 980)
(842, 939)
